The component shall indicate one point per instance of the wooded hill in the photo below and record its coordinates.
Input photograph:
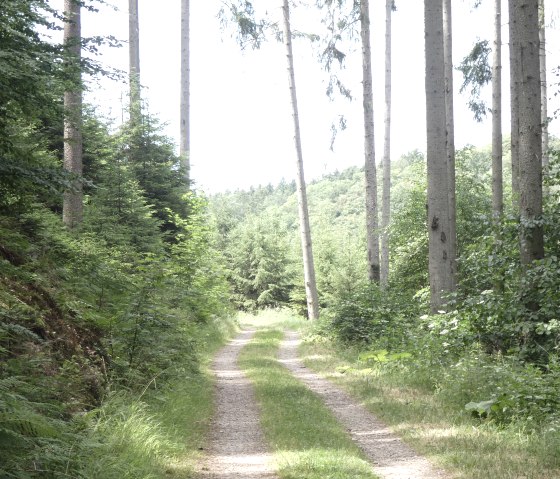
(258, 231)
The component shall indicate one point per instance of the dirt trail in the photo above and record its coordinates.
(391, 458)
(236, 448)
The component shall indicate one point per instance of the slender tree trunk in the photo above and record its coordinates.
(438, 191)
(185, 133)
(525, 42)
(497, 148)
(369, 148)
(450, 137)
(515, 73)
(305, 230)
(544, 86)
(72, 208)
(134, 61)
(386, 208)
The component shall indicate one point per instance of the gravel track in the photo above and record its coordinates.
(389, 455)
(236, 446)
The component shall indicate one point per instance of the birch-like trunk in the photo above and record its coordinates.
(72, 207)
(185, 129)
(386, 207)
(305, 230)
(438, 191)
(525, 42)
(134, 61)
(450, 137)
(544, 86)
(497, 136)
(372, 227)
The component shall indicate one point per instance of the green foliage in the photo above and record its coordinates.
(476, 74)
(259, 265)
(155, 166)
(113, 305)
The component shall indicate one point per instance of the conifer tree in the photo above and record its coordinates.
(305, 230)
(372, 226)
(72, 210)
(185, 127)
(438, 191)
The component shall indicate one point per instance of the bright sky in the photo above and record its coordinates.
(242, 132)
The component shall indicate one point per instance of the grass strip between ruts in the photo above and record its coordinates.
(305, 438)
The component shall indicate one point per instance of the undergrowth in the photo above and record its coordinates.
(102, 351)
(445, 410)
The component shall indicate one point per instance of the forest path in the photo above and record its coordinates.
(390, 456)
(236, 447)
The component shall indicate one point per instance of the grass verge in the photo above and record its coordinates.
(157, 434)
(431, 421)
(307, 441)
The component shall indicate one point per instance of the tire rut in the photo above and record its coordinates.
(390, 456)
(236, 447)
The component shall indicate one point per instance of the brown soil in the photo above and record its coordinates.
(390, 456)
(236, 447)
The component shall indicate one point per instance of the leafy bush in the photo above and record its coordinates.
(372, 316)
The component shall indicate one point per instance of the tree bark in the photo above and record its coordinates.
(185, 133)
(305, 230)
(372, 226)
(544, 85)
(386, 207)
(72, 207)
(525, 42)
(450, 138)
(515, 73)
(134, 62)
(438, 191)
(497, 137)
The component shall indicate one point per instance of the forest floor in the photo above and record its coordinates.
(238, 448)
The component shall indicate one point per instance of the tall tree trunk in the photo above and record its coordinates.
(497, 148)
(372, 226)
(544, 86)
(515, 72)
(305, 230)
(438, 191)
(450, 137)
(525, 42)
(72, 208)
(185, 133)
(134, 62)
(386, 208)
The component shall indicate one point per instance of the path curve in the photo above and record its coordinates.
(236, 447)
(390, 456)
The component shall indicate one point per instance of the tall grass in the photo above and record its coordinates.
(158, 432)
(427, 408)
